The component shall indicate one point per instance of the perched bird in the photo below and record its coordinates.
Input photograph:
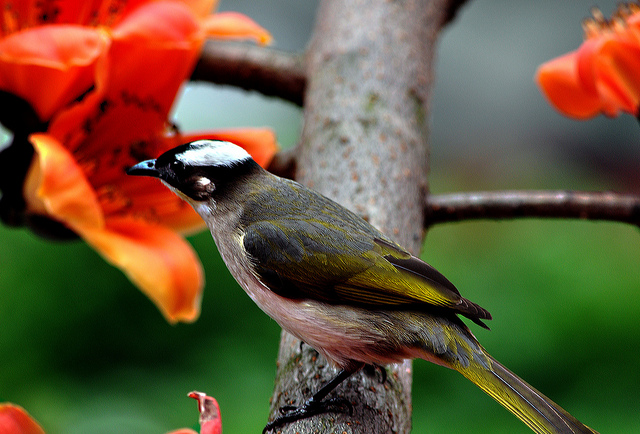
(334, 281)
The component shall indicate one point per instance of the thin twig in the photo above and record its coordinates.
(532, 204)
(250, 67)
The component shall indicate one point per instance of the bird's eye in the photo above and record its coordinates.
(177, 166)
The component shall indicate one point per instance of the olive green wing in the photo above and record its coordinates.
(313, 259)
(419, 281)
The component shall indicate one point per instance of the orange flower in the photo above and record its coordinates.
(49, 50)
(15, 420)
(603, 74)
(116, 71)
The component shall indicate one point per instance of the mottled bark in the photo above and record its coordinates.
(364, 144)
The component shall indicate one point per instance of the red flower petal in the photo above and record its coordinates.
(165, 23)
(149, 200)
(56, 186)
(562, 86)
(233, 25)
(618, 73)
(50, 66)
(603, 75)
(153, 256)
(15, 420)
(152, 52)
(210, 421)
(160, 262)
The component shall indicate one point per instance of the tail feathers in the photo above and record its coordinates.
(536, 410)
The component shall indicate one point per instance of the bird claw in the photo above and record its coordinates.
(310, 408)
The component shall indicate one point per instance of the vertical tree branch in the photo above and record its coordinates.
(364, 144)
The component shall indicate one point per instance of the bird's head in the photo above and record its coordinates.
(199, 171)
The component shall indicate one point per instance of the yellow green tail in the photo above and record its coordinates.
(536, 410)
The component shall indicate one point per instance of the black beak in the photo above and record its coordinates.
(144, 168)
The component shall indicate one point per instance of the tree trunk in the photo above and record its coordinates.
(369, 70)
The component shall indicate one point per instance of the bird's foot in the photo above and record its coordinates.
(310, 408)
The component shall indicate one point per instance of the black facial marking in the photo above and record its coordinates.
(200, 182)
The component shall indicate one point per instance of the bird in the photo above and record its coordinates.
(336, 282)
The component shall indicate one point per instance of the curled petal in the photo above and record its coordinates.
(233, 25)
(165, 23)
(210, 421)
(154, 50)
(50, 66)
(259, 142)
(603, 74)
(600, 77)
(20, 14)
(56, 186)
(561, 84)
(618, 69)
(15, 420)
(160, 262)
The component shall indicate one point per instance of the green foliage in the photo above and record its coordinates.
(84, 351)
(564, 298)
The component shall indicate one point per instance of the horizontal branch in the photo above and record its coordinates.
(251, 67)
(533, 204)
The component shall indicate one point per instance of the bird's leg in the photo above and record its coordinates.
(316, 404)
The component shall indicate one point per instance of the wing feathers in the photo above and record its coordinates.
(301, 259)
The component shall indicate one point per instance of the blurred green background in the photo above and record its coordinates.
(85, 352)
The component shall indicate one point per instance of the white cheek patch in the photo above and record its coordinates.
(205, 184)
(212, 153)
